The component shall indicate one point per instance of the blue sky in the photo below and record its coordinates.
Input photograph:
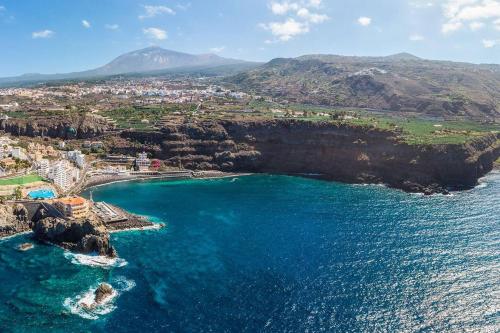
(52, 36)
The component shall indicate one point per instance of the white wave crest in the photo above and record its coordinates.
(94, 260)
(122, 284)
(84, 305)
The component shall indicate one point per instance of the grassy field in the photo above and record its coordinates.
(21, 180)
(419, 131)
(143, 117)
(412, 130)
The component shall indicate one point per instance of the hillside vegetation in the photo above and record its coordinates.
(400, 84)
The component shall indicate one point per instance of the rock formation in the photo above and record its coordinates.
(67, 127)
(334, 151)
(102, 292)
(13, 219)
(83, 236)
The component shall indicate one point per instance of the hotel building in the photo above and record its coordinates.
(75, 207)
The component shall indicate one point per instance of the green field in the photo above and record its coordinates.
(411, 130)
(133, 117)
(21, 180)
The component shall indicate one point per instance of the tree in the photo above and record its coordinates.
(18, 194)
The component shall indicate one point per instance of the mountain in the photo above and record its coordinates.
(151, 59)
(156, 59)
(398, 83)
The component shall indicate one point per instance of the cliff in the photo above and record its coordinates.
(69, 126)
(13, 219)
(332, 151)
(84, 236)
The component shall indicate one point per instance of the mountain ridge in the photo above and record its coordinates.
(399, 83)
(150, 59)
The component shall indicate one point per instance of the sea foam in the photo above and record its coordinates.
(83, 305)
(94, 260)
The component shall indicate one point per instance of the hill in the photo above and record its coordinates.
(399, 83)
(151, 60)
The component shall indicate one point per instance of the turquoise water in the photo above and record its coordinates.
(41, 194)
(273, 254)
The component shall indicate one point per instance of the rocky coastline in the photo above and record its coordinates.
(331, 151)
(82, 236)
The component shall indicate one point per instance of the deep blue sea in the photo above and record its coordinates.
(273, 254)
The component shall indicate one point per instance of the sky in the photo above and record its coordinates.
(58, 36)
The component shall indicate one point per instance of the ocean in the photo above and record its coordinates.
(267, 253)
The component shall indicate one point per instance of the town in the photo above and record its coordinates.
(44, 175)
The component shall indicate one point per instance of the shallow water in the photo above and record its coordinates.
(273, 254)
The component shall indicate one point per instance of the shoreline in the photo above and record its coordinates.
(193, 175)
(135, 222)
(141, 223)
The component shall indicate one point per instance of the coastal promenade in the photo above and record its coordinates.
(92, 180)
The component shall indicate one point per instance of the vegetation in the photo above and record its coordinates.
(412, 130)
(145, 117)
(20, 180)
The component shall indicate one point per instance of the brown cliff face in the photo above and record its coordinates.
(67, 127)
(331, 151)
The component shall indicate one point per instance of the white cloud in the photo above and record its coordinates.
(286, 30)
(315, 3)
(2, 8)
(496, 24)
(474, 26)
(364, 21)
(86, 24)
(155, 33)
(311, 17)
(477, 12)
(218, 49)
(112, 26)
(282, 8)
(42, 34)
(300, 16)
(417, 38)
(153, 11)
(184, 6)
(489, 43)
(451, 26)
(421, 4)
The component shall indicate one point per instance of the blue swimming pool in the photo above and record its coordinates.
(42, 194)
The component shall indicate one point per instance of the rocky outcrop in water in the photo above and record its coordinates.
(333, 151)
(83, 236)
(103, 292)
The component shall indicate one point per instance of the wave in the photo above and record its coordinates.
(122, 284)
(94, 260)
(83, 305)
(154, 226)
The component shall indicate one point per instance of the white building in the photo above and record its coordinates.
(43, 168)
(77, 157)
(18, 152)
(63, 174)
(142, 162)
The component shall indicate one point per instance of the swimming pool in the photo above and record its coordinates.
(42, 194)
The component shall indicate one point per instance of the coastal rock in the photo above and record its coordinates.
(333, 151)
(25, 247)
(102, 292)
(84, 236)
(13, 220)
